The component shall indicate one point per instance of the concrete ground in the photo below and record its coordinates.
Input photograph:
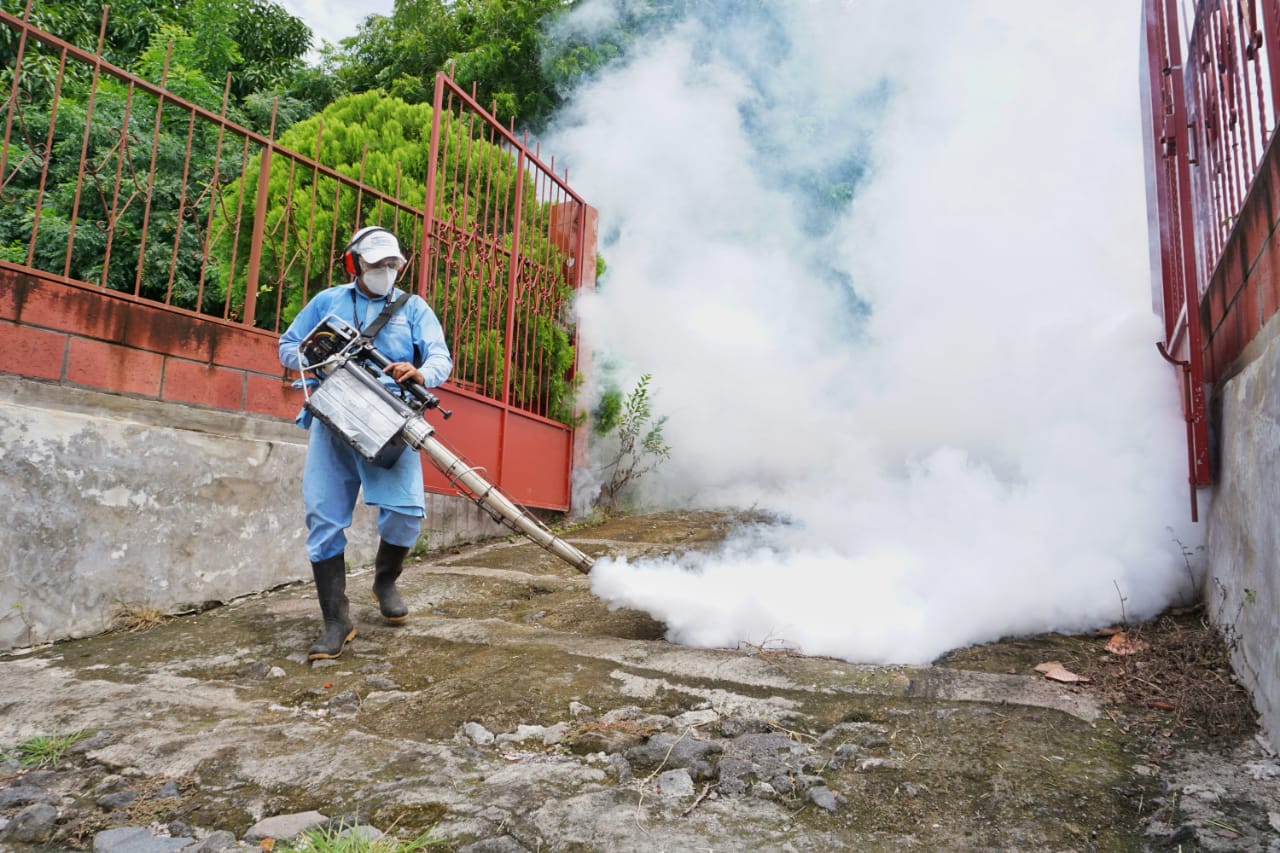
(515, 712)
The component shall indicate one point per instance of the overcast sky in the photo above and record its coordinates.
(332, 20)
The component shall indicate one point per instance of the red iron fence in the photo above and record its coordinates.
(505, 256)
(154, 192)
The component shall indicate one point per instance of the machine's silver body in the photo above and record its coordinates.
(354, 404)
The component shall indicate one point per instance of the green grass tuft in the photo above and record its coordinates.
(44, 750)
(327, 839)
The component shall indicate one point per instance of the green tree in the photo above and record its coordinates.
(383, 142)
(271, 43)
(107, 188)
(256, 42)
(497, 45)
(130, 25)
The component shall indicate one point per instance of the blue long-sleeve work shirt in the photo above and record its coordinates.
(413, 333)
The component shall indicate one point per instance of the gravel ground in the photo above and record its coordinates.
(516, 712)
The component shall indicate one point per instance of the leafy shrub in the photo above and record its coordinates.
(641, 446)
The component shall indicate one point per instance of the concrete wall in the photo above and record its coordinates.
(1240, 330)
(109, 500)
(1243, 543)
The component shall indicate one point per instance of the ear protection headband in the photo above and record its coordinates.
(350, 253)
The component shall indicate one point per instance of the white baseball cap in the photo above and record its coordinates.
(374, 244)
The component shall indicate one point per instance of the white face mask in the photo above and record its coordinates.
(378, 281)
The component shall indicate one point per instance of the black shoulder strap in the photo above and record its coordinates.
(393, 305)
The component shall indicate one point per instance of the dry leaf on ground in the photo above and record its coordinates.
(1120, 644)
(1057, 672)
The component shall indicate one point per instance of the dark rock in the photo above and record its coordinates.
(98, 741)
(763, 791)
(732, 727)
(23, 794)
(34, 824)
(381, 682)
(844, 753)
(736, 776)
(812, 763)
(118, 800)
(214, 842)
(766, 748)
(805, 781)
(107, 784)
(348, 701)
(178, 828)
(255, 671)
(771, 757)
(169, 789)
(823, 797)
(677, 751)
(40, 778)
(338, 824)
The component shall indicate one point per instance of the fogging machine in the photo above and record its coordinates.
(380, 422)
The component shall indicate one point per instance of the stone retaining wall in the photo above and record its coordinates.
(108, 502)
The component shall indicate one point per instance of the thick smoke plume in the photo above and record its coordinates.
(887, 265)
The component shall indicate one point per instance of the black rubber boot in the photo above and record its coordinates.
(387, 567)
(331, 587)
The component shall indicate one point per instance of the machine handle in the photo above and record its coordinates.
(415, 389)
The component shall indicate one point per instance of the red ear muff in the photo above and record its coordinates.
(349, 254)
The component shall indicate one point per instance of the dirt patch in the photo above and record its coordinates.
(1188, 725)
(1167, 677)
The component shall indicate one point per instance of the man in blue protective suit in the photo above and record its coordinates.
(413, 341)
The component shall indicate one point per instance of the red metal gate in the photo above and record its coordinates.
(524, 241)
(1212, 99)
(1181, 344)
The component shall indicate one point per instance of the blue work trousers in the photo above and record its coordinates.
(331, 482)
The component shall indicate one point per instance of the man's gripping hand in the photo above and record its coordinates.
(404, 373)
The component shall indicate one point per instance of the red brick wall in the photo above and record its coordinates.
(1245, 290)
(76, 334)
(108, 341)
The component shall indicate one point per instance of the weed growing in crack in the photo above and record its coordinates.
(136, 617)
(341, 839)
(45, 750)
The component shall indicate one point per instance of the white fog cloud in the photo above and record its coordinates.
(995, 448)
